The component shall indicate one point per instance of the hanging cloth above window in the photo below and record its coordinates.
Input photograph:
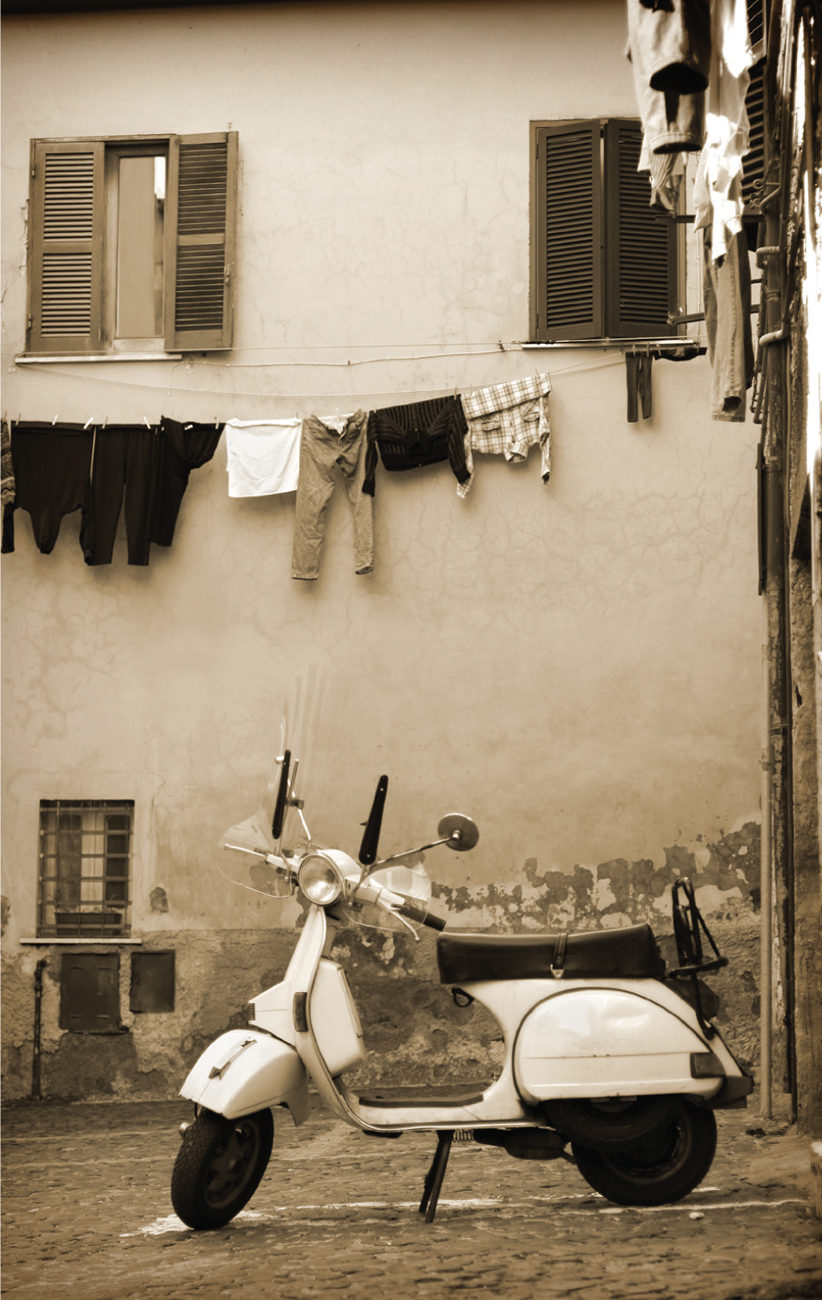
(669, 45)
(506, 420)
(421, 433)
(718, 185)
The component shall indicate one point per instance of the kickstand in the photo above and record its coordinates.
(434, 1177)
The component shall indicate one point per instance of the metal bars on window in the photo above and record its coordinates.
(85, 868)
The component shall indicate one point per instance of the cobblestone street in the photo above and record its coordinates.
(86, 1213)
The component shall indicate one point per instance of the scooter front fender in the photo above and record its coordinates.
(246, 1070)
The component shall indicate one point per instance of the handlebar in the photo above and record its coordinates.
(420, 915)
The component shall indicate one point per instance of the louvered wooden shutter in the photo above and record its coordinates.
(640, 243)
(753, 163)
(66, 248)
(200, 241)
(568, 232)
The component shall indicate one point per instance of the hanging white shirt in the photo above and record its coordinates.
(263, 456)
(718, 192)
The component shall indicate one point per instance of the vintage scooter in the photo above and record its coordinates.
(602, 1048)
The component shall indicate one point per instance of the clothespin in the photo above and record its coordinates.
(54, 421)
(89, 421)
(145, 422)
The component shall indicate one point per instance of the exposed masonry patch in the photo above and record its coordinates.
(614, 893)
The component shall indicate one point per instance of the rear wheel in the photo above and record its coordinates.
(219, 1166)
(603, 1125)
(659, 1169)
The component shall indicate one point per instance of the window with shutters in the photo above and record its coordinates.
(604, 262)
(85, 868)
(132, 245)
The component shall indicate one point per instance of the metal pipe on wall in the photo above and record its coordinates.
(36, 1090)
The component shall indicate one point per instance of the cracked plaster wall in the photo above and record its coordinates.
(574, 664)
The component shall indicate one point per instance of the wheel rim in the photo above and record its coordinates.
(648, 1158)
(232, 1164)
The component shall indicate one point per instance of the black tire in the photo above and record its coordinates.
(611, 1125)
(219, 1166)
(659, 1169)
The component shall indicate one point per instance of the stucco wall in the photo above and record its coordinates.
(574, 664)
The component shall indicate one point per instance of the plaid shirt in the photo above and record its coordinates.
(507, 419)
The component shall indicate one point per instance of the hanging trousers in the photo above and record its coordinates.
(327, 456)
(51, 473)
(125, 466)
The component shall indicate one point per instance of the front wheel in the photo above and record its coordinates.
(661, 1168)
(219, 1166)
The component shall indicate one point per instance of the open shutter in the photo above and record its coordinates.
(640, 243)
(200, 241)
(65, 305)
(568, 243)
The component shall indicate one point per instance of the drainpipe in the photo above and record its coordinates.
(38, 999)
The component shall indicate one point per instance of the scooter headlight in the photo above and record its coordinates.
(320, 879)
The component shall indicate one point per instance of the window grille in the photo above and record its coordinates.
(85, 868)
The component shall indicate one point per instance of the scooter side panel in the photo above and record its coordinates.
(605, 1043)
(245, 1070)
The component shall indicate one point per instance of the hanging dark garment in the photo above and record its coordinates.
(638, 375)
(7, 475)
(51, 465)
(125, 466)
(183, 447)
(421, 433)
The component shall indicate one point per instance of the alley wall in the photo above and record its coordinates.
(574, 663)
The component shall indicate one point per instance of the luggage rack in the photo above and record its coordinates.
(689, 927)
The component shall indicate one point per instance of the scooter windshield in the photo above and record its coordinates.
(303, 796)
(249, 845)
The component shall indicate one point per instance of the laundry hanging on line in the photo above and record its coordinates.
(60, 468)
(507, 420)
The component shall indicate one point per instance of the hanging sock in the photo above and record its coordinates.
(638, 376)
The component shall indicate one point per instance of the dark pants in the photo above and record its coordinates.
(125, 465)
(51, 473)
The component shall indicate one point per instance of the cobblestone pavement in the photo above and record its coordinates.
(86, 1214)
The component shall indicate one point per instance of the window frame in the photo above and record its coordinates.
(75, 879)
(599, 246)
(208, 290)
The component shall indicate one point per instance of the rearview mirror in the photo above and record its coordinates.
(459, 832)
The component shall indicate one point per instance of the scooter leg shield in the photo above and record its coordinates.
(246, 1070)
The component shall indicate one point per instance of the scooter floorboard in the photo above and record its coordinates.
(389, 1098)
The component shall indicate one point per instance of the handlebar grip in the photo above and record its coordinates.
(422, 916)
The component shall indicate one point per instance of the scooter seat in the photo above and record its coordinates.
(630, 952)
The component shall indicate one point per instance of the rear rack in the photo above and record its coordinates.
(689, 927)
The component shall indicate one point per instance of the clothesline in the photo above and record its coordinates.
(307, 398)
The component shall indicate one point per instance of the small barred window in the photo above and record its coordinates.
(85, 868)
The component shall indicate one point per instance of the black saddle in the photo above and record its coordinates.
(630, 952)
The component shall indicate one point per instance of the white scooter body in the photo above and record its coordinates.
(600, 1050)
(564, 1038)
